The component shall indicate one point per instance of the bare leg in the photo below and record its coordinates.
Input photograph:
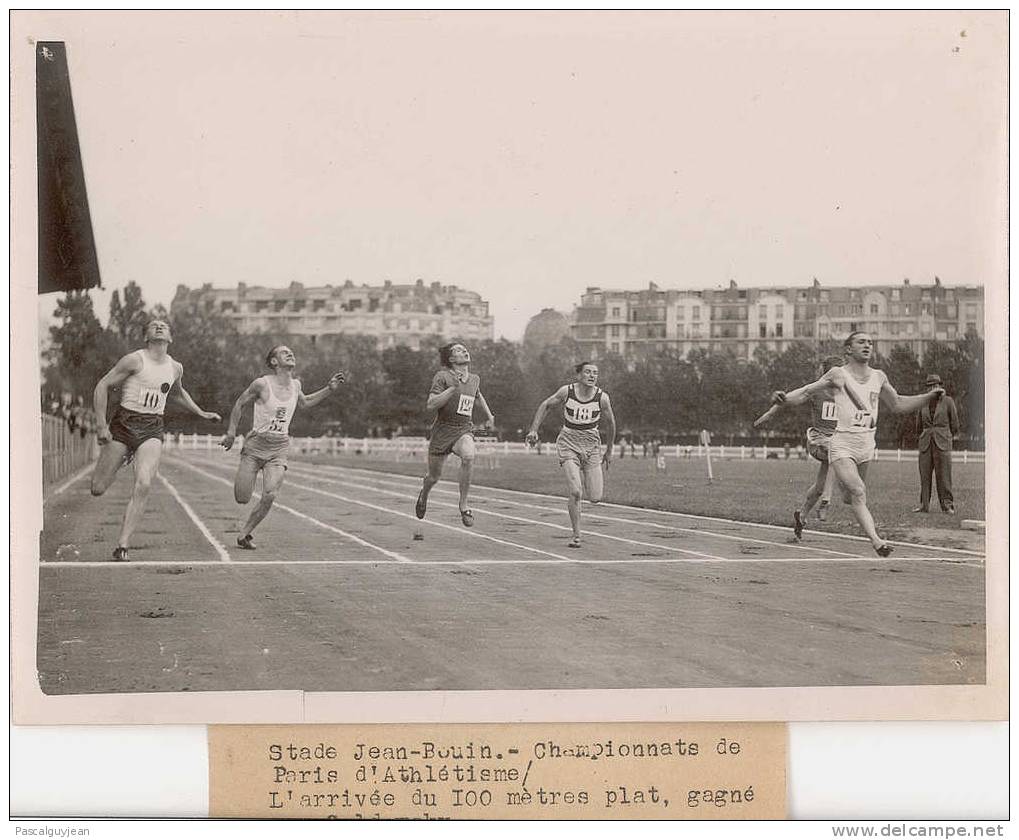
(594, 482)
(146, 465)
(111, 459)
(465, 448)
(829, 485)
(435, 465)
(852, 478)
(272, 478)
(816, 490)
(244, 481)
(575, 488)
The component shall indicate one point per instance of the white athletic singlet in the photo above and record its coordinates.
(857, 403)
(272, 417)
(145, 392)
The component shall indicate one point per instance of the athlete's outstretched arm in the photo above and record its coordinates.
(250, 394)
(489, 417)
(313, 399)
(100, 396)
(823, 385)
(558, 398)
(183, 397)
(610, 428)
(903, 404)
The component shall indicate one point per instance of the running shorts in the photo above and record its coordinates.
(859, 446)
(580, 446)
(261, 451)
(132, 428)
(444, 438)
(818, 443)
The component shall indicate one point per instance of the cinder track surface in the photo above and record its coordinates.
(348, 591)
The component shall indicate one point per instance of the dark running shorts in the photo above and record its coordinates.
(444, 438)
(132, 428)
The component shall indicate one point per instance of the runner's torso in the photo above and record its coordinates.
(145, 392)
(273, 415)
(857, 403)
(459, 409)
(582, 415)
(823, 414)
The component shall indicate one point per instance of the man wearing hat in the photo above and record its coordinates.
(939, 424)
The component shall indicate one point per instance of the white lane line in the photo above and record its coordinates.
(78, 476)
(186, 564)
(391, 554)
(592, 515)
(216, 544)
(634, 509)
(586, 533)
(462, 531)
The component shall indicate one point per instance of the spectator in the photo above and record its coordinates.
(939, 424)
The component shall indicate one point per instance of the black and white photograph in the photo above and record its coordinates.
(385, 362)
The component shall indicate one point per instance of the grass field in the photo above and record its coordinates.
(758, 490)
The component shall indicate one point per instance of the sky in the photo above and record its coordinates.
(528, 156)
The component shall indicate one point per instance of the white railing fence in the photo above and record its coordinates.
(417, 447)
(64, 451)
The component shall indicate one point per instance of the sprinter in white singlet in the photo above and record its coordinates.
(857, 390)
(579, 444)
(135, 433)
(276, 396)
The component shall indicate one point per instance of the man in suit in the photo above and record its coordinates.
(939, 424)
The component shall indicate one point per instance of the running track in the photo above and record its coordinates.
(349, 591)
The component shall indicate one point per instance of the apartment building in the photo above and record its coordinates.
(395, 314)
(641, 323)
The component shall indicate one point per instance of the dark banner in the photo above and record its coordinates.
(67, 250)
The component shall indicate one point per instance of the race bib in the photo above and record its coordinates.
(863, 419)
(150, 397)
(829, 411)
(465, 406)
(279, 422)
(583, 413)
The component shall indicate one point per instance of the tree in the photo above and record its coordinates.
(80, 351)
(128, 320)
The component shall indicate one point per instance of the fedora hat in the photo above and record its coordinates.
(933, 379)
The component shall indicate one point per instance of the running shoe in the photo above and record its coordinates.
(421, 506)
(574, 543)
(822, 510)
(797, 525)
(120, 554)
(246, 542)
(884, 550)
(467, 517)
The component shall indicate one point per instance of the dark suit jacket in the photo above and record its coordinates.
(938, 426)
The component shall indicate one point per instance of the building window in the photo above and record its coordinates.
(874, 308)
(696, 313)
(679, 313)
(763, 330)
(778, 330)
(971, 327)
(896, 294)
(779, 311)
(615, 311)
(614, 330)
